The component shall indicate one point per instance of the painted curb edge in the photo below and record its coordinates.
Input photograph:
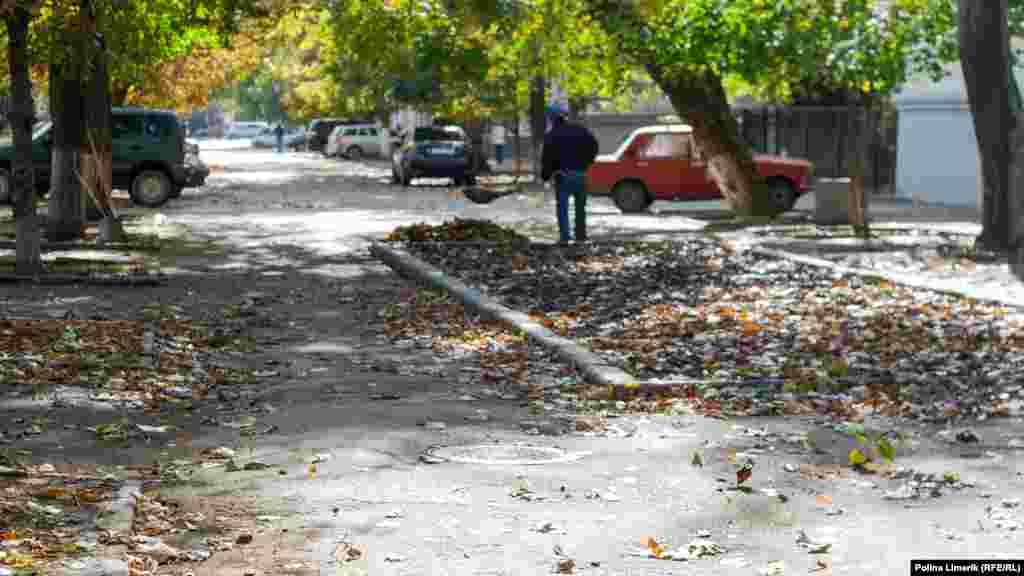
(592, 368)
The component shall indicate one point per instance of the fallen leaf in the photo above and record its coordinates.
(856, 457)
(744, 473)
(566, 566)
(697, 460)
(823, 499)
(346, 552)
(823, 566)
(886, 449)
(656, 550)
(312, 471)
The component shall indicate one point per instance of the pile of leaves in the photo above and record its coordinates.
(108, 357)
(453, 329)
(457, 230)
(761, 333)
(42, 512)
(47, 518)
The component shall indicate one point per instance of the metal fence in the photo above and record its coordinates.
(824, 135)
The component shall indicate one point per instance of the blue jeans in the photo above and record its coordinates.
(571, 182)
(499, 153)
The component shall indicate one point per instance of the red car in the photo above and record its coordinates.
(663, 163)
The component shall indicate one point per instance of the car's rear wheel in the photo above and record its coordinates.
(782, 194)
(5, 187)
(176, 192)
(151, 188)
(354, 153)
(631, 197)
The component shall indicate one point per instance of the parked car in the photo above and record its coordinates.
(434, 152)
(240, 130)
(292, 138)
(200, 134)
(663, 163)
(354, 141)
(151, 157)
(319, 130)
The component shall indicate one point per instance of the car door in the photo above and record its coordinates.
(693, 171)
(127, 144)
(659, 165)
(373, 145)
(42, 148)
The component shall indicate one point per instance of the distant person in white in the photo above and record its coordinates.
(498, 138)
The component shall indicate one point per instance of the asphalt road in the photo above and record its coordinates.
(297, 225)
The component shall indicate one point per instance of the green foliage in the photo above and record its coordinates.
(469, 57)
(770, 46)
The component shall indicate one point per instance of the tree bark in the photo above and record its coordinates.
(702, 102)
(984, 57)
(23, 190)
(538, 121)
(862, 130)
(96, 154)
(66, 214)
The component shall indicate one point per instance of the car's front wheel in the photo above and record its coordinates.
(176, 192)
(782, 194)
(151, 188)
(354, 153)
(5, 187)
(631, 197)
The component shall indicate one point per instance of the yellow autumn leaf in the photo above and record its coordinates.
(654, 547)
(312, 471)
(730, 455)
(57, 493)
(856, 457)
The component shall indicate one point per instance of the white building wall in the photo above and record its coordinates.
(937, 157)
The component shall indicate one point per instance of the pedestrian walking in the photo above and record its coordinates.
(569, 149)
(498, 138)
(279, 134)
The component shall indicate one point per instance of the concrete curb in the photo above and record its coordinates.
(592, 368)
(895, 278)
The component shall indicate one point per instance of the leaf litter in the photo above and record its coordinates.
(746, 334)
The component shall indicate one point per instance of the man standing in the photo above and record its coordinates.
(279, 135)
(569, 149)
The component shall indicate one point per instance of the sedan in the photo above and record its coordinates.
(434, 152)
(663, 163)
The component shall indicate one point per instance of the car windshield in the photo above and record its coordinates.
(437, 134)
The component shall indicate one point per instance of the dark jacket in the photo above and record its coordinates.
(567, 146)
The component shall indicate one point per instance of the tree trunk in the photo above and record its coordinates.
(96, 155)
(475, 129)
(538, 121)
(984, 57)
(27, 258)
(702, 102)
(65, 215)
(862, 131)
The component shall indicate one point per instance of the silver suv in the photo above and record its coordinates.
(357, 140)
